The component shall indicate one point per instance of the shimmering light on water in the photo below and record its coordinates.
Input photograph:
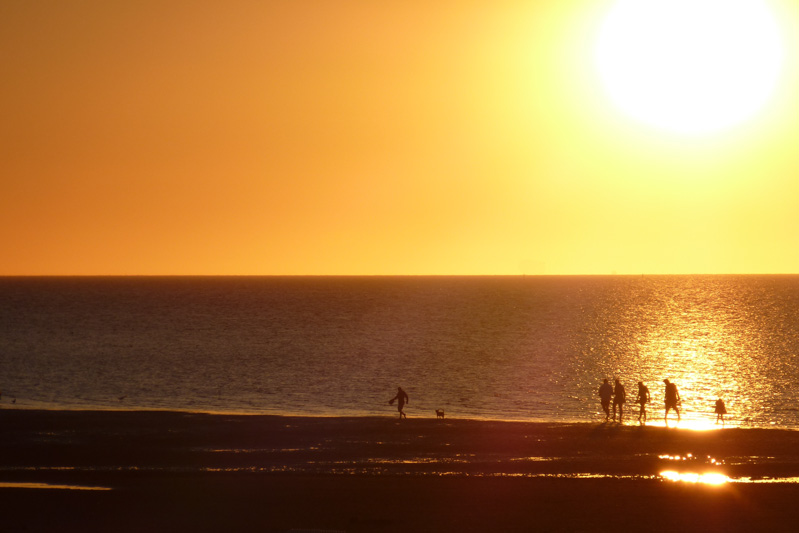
(483, 348)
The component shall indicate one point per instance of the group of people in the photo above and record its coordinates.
(618, 396)
(608, 393)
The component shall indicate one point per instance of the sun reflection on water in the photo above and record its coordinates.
(712, 337)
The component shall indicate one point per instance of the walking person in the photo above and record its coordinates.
(721, 410)
(619, 398)
(642, 399)
(402, 399)
(605, 392)
(673, 400)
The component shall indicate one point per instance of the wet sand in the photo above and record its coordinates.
(196, 472)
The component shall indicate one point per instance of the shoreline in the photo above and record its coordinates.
(704, 423)
(177, 471)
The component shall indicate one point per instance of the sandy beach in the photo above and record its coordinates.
(166, 471)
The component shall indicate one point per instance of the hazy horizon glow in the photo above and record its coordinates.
(400, 137)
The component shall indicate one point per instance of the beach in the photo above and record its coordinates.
(174, 471)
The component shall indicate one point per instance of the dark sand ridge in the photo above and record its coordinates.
(194, 472)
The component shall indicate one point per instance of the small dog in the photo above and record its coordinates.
(439, 413)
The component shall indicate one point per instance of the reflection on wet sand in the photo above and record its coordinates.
(709, 478)
(715, 478)
(10, 485)
(693, 424)
(176, 444)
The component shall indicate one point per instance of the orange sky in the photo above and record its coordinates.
(364, 137)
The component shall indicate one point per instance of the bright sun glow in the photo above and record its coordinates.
(689, 66)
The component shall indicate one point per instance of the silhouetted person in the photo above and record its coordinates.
(721, 410)
(402, 399)
(642, 399)
(619, 397)
(672, 399)
(605, 392)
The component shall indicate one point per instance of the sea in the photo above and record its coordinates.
(530, 348)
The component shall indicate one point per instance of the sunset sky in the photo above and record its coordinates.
(368, 137)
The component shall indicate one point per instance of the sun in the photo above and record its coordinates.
(689, 66)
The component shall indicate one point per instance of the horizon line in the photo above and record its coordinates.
(644, 274)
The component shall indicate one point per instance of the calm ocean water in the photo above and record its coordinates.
(514, 348)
